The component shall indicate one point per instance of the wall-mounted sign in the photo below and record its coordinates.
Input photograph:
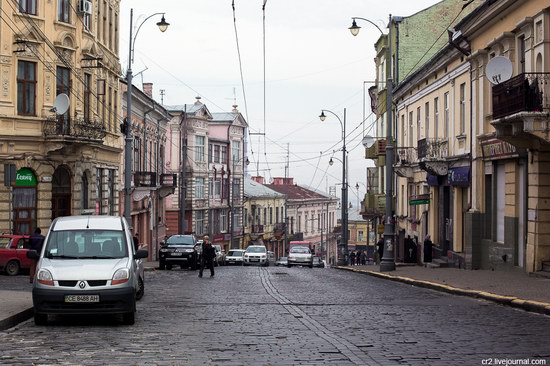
(421, 199)
(46, 179)
(459, 176)
(25, 178)
(493, 149)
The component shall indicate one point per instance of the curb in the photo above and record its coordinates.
(527, 305)
(15, 319)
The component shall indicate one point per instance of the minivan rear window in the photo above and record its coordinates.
(86, 244)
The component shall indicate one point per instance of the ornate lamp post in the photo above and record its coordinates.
(127, 129)
(343, 246)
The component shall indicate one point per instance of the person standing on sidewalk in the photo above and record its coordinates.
(428, 249)
(36, 242)
(380, 249)
(136, 241)
(208, 253)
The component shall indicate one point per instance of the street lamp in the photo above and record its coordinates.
(388, 261)
(163, 25)
(343, 246)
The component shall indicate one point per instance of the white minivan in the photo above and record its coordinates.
(88, 265)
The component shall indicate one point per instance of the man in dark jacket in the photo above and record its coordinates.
(208, 253)
(380, 249)
(36, 241)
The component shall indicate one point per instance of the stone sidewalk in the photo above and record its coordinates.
(512, 288)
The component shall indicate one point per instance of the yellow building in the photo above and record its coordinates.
(58, 158)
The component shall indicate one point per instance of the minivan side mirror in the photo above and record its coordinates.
(33, 254)
(142, 253)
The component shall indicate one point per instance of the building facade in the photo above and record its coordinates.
(60, 145)
(150, 182)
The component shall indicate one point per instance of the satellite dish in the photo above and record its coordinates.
(368, 141)
(61, 104)
(498, 69)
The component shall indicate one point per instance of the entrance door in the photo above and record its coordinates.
(522, 214)
(61, 192)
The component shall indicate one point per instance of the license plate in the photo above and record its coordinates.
(254, 260)
(177, 254)
(81, 298)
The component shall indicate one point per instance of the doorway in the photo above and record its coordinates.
(61, 192)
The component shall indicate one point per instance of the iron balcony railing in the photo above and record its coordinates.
(406, 155)
(257, 229)
(432, 149)
(145, 179)
(77, 128)
(527, 92)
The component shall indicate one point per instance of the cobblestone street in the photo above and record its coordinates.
(281, 316)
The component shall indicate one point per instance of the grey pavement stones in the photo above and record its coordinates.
(281, 316)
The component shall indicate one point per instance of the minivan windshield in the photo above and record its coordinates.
(256, 250)
(86, 244)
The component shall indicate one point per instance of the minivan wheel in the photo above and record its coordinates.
(40, 319)
(129, 318)
(141, 289)
(12, 268)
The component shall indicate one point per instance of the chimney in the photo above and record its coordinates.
(148, 89)
(281, 181)
(258, 179)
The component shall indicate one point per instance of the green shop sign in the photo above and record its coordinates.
(421, 199)
(25, 178)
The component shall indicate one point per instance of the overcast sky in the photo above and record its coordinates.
(312, 62)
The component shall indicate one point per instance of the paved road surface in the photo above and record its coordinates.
(281, 316)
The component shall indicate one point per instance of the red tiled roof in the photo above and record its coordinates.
(295, 192)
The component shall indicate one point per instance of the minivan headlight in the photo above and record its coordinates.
(122, 275)
(45, 277)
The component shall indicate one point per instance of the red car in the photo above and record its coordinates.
(13, 253)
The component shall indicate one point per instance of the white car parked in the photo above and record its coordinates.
(235, 256)
(88, 266)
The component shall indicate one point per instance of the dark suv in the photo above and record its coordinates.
(180, 250)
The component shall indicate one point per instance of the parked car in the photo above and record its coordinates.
(234, 257)
(255, 254)
(88, 266)
(220, 255)
(318, 262)
(179, 250)
(281, 261)
(13, 253)
(300, 256)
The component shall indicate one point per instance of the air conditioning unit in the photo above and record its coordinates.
(85, 6)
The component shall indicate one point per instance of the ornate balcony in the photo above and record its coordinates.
(405, 158)
(145, 179)
(377, 152)
(520, 109)
(76, 130)
(168, 180)
(432, 155)
(257, 229)
(373, 205)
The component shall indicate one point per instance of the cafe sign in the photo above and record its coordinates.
(25, 178)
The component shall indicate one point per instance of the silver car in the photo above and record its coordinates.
(300, 256)
(88, 266)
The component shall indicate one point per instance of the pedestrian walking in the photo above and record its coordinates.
(208, 253)
(36, 242)
(352, 258)
(428, 249)
(136, 241)
(380, 248)
(363, 258)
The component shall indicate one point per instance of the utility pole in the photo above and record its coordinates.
(183, 167)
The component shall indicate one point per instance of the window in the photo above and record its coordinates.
(245, 217)
(216, 153)
(360, 235)
(199, 148)
(64, 11)
(26, 88)
(199, 222)
(199, 188)
(271, 216)
(223, 220)
(27, 6)
(111, 186)
(87, 96)
(99, 189)
(427, 118)
(403, 131)
(418, 127)
(223, 157)
(446, 115)
(236, 151)
(436, 117)
(225, 189)
(462, 108)
(265, 216)
(411, 141)
(306, 223)
(87, 21)
(84, 192)
(63, 85)
(137, 154)
(277, 215)
(521, 54)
